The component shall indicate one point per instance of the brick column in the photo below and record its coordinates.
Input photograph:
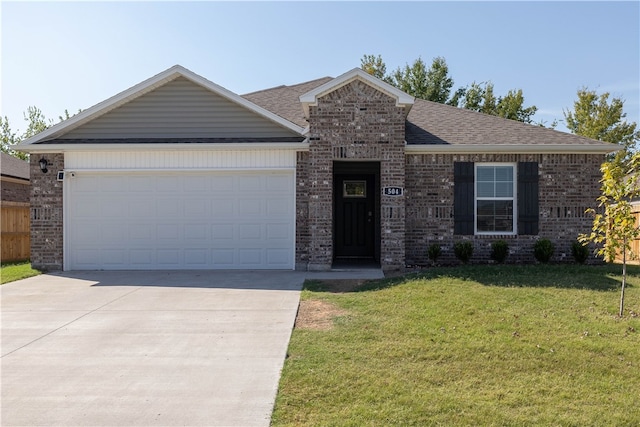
(356, 122)
(46, 213)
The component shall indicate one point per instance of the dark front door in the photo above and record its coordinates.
(355, 216)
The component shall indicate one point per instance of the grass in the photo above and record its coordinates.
(11, 272)
(473, 345)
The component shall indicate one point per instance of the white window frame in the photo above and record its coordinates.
(514, 199)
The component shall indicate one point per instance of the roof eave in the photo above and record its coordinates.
(145, 87)
(61, 148)
(510, 149)
(311, 98)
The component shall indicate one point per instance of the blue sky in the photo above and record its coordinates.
(71, 55)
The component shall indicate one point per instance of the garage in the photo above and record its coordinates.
(134, 220)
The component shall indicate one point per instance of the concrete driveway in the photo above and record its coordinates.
(145, 348)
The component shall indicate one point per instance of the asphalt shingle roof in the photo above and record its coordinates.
(13, 167)
(430, 123)
(284, 100)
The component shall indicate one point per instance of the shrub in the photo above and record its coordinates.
(463, 250)
(543, 250)
(499, 251)
(434, 252)
(580, 252)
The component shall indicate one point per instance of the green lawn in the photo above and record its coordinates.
(16, 271)
(473, 345)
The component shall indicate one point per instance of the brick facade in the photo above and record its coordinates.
(46, 213)
(358, 128)
(568, 185)
(355, 122)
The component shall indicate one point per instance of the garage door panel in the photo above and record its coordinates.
(196, 207)
(277, 256)
(142, 258)
(168, 232)
(249, 206)
(113, 234)
(141, 233)
(181, 220)
(168, 208)
(280, 232)
(106, 184)
(196, 257)
(278, 206)
(141, 184)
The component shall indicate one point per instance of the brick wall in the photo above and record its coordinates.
(568, 184)
(46, 213)
(355, 122)
(15, 192)
(302, 210)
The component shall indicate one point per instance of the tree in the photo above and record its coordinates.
(435, 84)
(511, 106)
(8, 139)
(614, 227)
(595, 117)
(375, 66)
(432, 84)
(36, 123)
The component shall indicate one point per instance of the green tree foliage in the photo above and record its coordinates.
(511, 106)
(36, 123)
(435, 84)
(432, 84)
(595, 117)
(614, 224)
(375, 66)
(8, 139)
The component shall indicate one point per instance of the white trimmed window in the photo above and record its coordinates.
(495, 198)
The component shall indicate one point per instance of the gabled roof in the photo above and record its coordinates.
(145, 87)
(13, 167)
(285, 100)
(311, 98)
(435, 127)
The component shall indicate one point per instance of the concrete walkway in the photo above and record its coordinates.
(196, 348)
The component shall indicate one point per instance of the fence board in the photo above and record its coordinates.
(14, 231)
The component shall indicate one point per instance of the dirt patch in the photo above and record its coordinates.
(317, 315)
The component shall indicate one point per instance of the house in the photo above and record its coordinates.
(180, 173)
(15, 191)
(14, 176)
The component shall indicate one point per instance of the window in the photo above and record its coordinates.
(495, 199)
(488, 198)
(354, 189)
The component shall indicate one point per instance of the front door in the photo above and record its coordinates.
(355, 216)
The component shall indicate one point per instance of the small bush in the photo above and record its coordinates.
(499, 251)
(434, 252)
(463, 250)
(543, 250)
(580, 252)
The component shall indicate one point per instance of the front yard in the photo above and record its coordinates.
(473, 345)
(11, 272)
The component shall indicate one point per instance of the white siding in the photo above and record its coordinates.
(213, 159)
(179, 109)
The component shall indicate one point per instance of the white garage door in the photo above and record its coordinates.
(204, 220)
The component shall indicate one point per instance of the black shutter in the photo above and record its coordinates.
(528, 210)
(463, 198)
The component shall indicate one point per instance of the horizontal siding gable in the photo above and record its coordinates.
(179, 109)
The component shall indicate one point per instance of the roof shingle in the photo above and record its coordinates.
(432, 123)
(14, 167)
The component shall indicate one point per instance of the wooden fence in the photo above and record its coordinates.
(14, 231)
